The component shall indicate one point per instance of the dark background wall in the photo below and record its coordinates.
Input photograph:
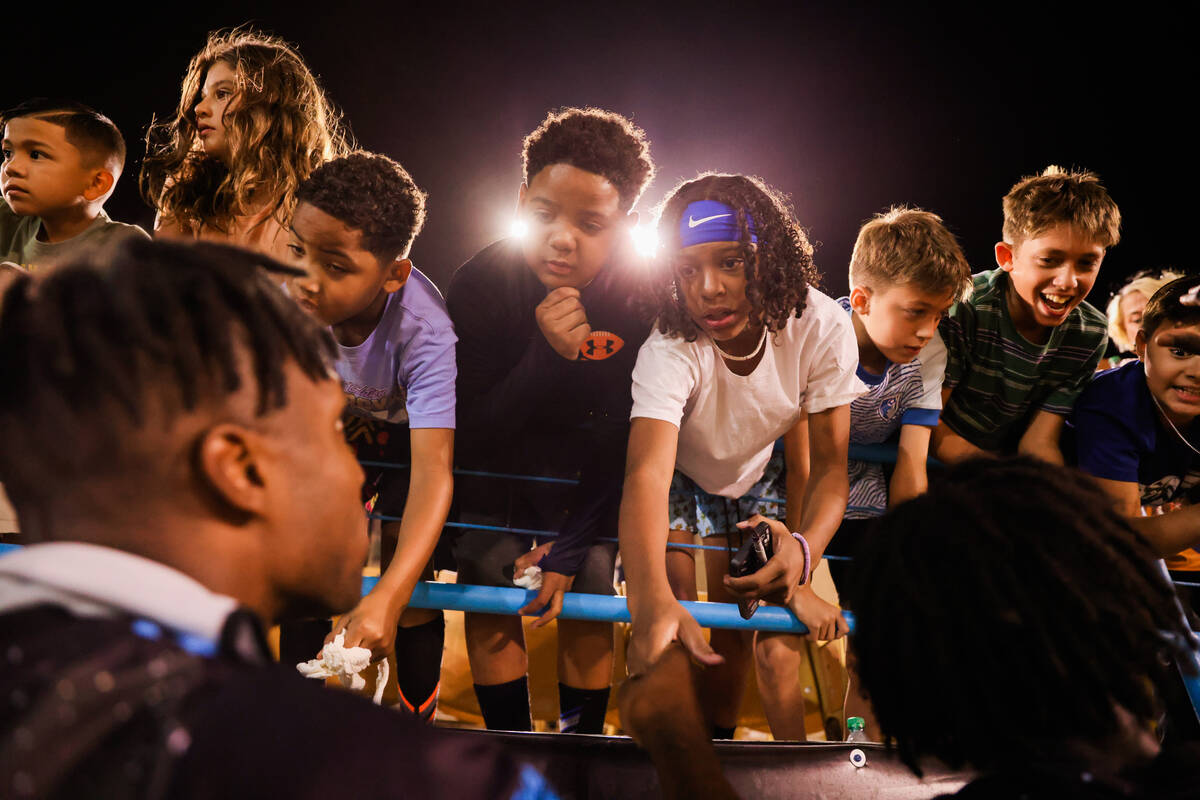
(846, 108)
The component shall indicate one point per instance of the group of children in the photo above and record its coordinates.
(587, 395)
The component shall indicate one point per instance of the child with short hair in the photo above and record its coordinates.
(745, 350)
(62, 161)
(905, 273)
(251, 126)
(1025, 344)
(547, 340)
(1136, 430)
(355, 220)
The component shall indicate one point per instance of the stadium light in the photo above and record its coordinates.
(645, 240)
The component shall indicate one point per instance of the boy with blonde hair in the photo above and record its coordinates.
(61, 163)
(1025, 344)
(905, 272)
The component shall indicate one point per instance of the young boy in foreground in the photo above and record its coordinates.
(547, 343)
(905, 272)
(355, 220)
(61, 163)
(1023, 346)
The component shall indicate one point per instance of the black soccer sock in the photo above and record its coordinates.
(722, 733)
(419, 665)
(581, 710)
(505, 706)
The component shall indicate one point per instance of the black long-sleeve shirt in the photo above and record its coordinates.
(523, 408)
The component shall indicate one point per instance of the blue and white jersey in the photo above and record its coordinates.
(905, 394)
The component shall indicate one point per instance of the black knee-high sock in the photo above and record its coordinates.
(419, 665)
(581, 710)
(722, 733)
(505, 706)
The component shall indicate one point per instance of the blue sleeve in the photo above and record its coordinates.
(428, 370)
(1106, 440)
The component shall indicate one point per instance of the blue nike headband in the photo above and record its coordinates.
(707, 221)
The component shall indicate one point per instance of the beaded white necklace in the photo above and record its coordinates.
(761, 341)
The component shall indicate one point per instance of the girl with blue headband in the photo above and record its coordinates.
(744, 351)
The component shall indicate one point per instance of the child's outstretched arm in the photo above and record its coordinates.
(911, 476)
(948, 446)
(1040, 439)
(826, 493)
(1168, 533)
(658, 618)
(372, 623)
(828, 486)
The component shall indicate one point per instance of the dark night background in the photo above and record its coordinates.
(847, 109)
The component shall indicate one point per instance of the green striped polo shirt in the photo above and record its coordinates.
(1000, 379)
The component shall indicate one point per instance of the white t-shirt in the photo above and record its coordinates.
(728, 423)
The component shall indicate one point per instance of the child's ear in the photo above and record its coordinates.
(1139, 344)
(1004, 255)
(860, 300)
(398, 272)
(99, 186)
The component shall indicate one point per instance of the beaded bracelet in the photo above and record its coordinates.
(807, 557)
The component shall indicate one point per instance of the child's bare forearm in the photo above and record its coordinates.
(431, 487)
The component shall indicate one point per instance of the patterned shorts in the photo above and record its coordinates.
(693, 509)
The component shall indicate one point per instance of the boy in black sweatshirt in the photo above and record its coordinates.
(548, 336)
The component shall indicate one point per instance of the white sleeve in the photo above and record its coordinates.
(933, 371)
(833, 381)
(663, 379)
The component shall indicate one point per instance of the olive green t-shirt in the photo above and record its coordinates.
(19, 242)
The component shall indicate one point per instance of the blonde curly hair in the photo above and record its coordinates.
(280, 128)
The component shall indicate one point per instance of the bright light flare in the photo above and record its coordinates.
(645, 240)
(518, 228)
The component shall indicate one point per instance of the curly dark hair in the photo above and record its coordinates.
(373, 194)
(139, 328)
(779, 269)
(1010, 579)
(595, 140)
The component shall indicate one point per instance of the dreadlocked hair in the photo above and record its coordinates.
(116, 336)
(280, 127)
(779, 269)
(1009, 581)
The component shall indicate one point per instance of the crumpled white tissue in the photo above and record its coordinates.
(344, 663)
(531, 578)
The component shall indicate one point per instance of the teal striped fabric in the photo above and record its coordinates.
(999, 378)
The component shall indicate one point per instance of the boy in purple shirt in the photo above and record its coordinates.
(354, 223)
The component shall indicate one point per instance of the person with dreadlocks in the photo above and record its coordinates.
(207, 491)
(1136, 430)
(252, 124)
(1048, 639)
(745, 351)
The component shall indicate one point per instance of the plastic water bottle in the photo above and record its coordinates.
(854, 730)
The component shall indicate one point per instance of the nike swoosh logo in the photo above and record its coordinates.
(693, 222)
